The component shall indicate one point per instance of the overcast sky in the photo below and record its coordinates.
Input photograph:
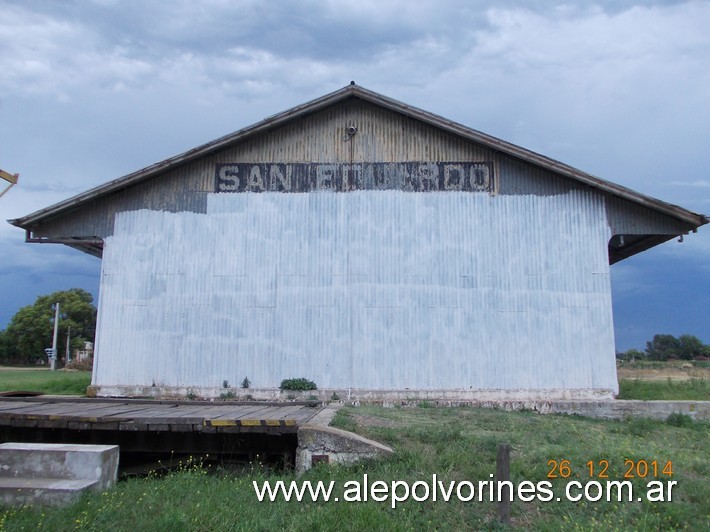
(93, 90)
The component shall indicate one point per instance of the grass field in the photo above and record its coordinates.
(456, 444)
(45, 381)
(75, 383)
(668, 390)
(664, 381)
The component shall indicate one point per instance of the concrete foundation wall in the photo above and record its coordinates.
(318, 443)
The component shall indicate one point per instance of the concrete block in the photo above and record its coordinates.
(97, 463)
(318, 443)
(45, 491)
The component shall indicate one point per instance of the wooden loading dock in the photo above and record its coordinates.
(149, 431)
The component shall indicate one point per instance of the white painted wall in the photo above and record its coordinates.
(363, 290)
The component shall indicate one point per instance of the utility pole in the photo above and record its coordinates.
(53, 358)
(68, 355)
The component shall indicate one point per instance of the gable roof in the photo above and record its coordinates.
(356, 91)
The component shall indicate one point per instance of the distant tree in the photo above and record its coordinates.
(31, 329)
(7, 353)
(691, 347)
(663, 347)
(631, 355)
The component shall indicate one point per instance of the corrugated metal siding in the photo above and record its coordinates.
(518, 178)
(382, 136)
(369, 290)
(180, 190)
(631, 219)
(625, 217)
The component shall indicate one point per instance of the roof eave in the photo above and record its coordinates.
(353, 90)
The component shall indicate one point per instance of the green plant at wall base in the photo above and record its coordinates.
(191, 395)
(225, 384)
(301, 384)
(246, 383)
(676, 419)
(225, 396)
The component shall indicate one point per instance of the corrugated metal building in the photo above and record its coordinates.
(372, 247)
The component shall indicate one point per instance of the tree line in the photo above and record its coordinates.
(668, 347)
(31, 329)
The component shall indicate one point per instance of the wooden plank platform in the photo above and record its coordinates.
(146, 415)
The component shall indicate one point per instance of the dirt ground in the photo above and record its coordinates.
(679, 372)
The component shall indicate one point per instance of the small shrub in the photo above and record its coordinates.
(641, 426)
(299, 385)
(676, 419)
(191, 395)
(335, 397)
(225, 384)
(246, 383)
(225, 396)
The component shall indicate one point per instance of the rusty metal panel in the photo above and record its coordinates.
(364, 290)
(381, 135)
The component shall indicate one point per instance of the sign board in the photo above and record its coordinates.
(343, 177)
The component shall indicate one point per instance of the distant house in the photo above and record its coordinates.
(372, 247)
(86, 353)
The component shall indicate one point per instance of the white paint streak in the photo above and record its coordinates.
(369, 290)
